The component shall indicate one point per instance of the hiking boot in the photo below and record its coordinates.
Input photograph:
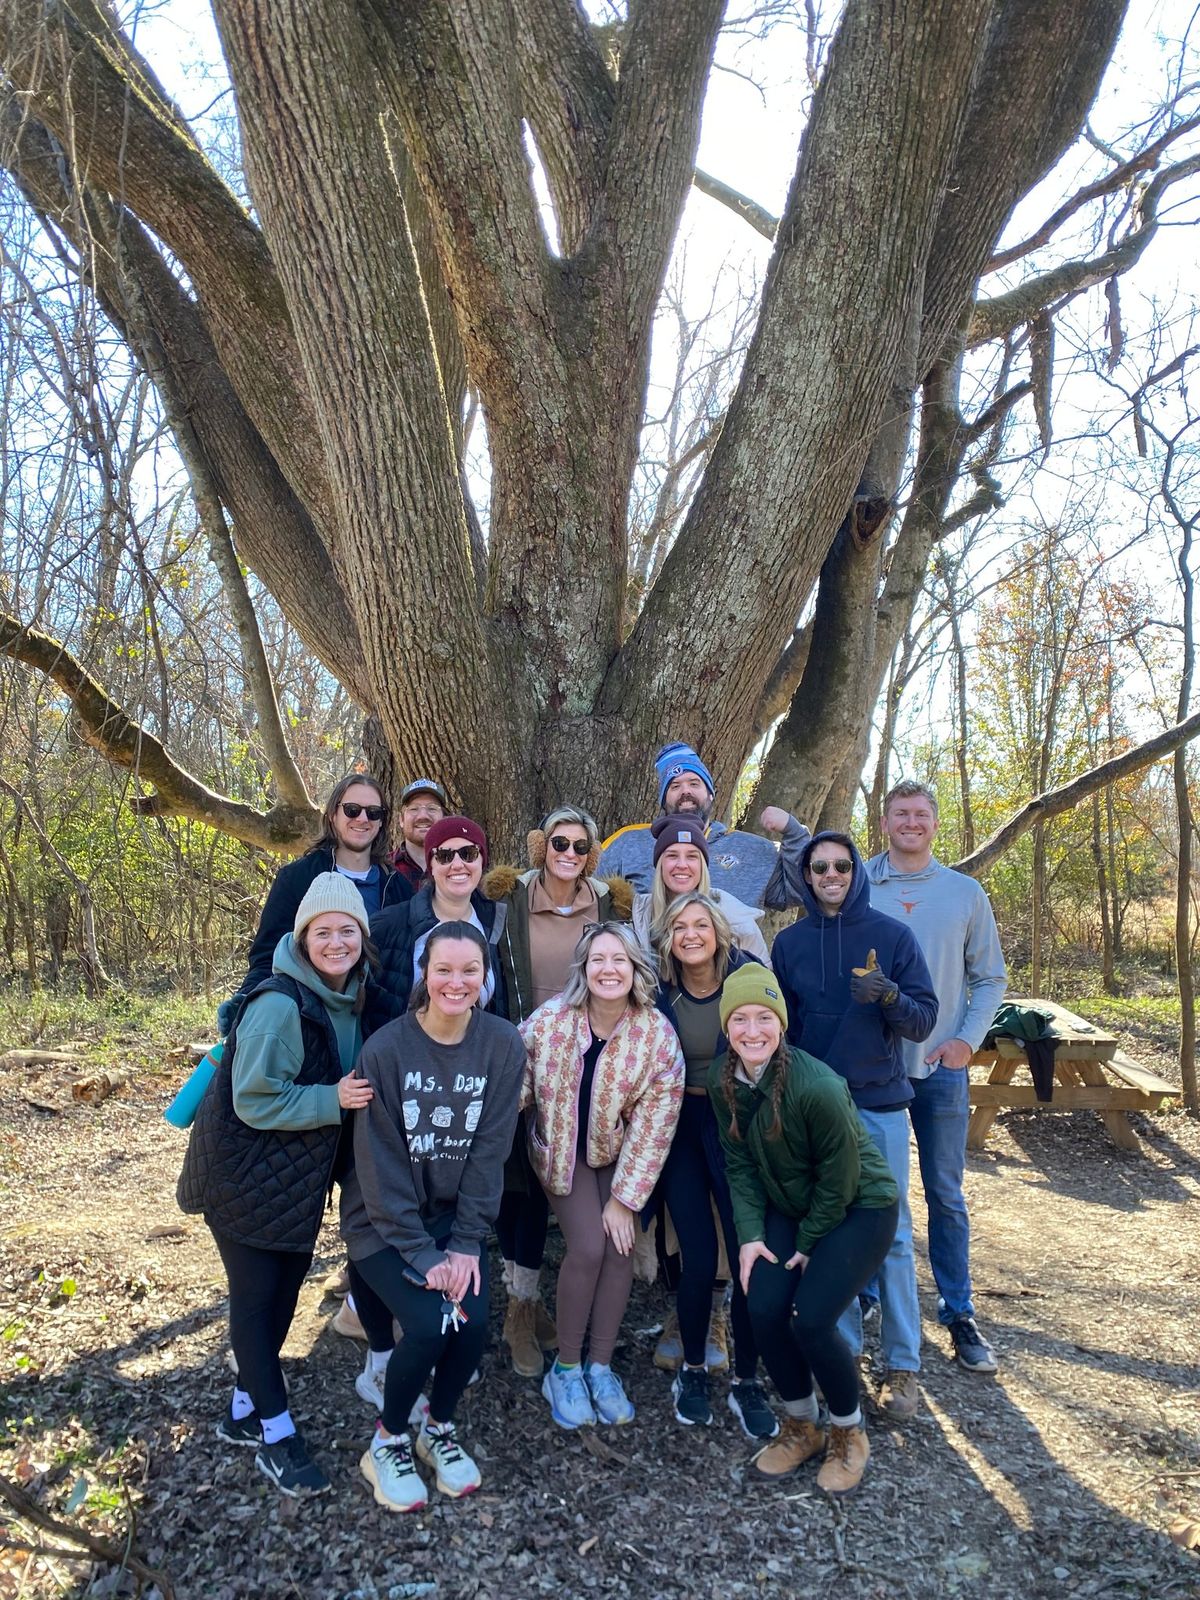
(971, 1349)
(520, 1335)
(240, 1430)
(846, 1455)
(668, 1352)
(337, 1283)
(899, 1396)
(345, 1321)
(289, 1467)
(570, 1402)
(545, 1330)
(389, 1468)
(690, 1394)
(609, 1400)
(748, 1402)
(716, 1346)
(798, 1441)
(438, 1447)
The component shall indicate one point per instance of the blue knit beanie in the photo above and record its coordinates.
(675, 758)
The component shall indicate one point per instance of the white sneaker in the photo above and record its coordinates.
(369, 1385)
(389, 1468)
(439, 1448)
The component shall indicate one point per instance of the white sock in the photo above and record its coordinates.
(276, 1428)
(804, 1410)
(854, 1420)
(241, 1405)
(598, 1366)
(349, 1300)
(378, 1360)
(381, 1436)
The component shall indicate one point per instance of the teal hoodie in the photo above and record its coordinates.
(270, 1051)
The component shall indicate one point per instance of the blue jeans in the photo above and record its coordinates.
(900, 1326)
(939, 1117)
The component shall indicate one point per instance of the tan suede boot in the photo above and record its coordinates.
(846, 1456)
(797, 1441)
(544, 1329)
(520, 1323)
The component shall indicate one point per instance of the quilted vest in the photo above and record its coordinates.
(265, 1187)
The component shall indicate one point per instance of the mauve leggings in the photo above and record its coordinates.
(595, 1279)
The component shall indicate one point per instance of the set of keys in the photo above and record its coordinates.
(453, 1315)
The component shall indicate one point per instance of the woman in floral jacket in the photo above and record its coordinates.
(605, 1080)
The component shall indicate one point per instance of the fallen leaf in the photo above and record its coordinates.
(167, 1230)
(1185, 1532)
(589, 1544)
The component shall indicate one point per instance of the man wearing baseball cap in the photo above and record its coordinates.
(422, 803)
(745, 865)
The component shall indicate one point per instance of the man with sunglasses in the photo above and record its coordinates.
(353, 841)
(422, 803)
(951, 919)
(745, 865)
(856, 987)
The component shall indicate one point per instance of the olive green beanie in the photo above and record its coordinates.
(753, 985)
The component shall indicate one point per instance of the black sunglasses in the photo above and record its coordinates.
(562, 845)
(445, 853)
(353, 810)
(843, 865)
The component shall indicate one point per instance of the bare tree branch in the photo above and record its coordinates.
(759, 218)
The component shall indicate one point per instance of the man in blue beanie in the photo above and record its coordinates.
(745, 865)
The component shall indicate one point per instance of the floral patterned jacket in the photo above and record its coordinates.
(636, 1094)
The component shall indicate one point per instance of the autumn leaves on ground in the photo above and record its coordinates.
(1067, 1476)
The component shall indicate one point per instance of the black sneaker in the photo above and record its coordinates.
(970, 1347)
(287, 1465)
(748, 1402)
(690, 1393)
(240, 1430)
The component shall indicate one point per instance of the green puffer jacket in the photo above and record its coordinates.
(822, 1162)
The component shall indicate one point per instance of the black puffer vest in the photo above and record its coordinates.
(265, 1187)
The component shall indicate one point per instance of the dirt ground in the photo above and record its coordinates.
(1062, 1477)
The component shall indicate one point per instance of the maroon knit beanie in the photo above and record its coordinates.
(675, 830)
(455, 828)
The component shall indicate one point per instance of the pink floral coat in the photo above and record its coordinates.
(636, 1094)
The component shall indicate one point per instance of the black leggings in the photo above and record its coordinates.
(451, 1357)
(264, 1286)
(795, 1314)
(524, 1217)
(694, 1171)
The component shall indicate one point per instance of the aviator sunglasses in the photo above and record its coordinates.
(445, 853)
(562, 845)
(353, 810)
(843, 865)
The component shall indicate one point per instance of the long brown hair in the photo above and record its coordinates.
(780, 1061)
(363, 969)
(327, 839)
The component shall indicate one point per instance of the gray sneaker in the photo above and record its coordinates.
(609, 1399)
(570, 1402)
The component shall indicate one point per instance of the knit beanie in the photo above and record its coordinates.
(752, 985)
(331, 891)
(667, 831)
(455, 828)
(675, 758)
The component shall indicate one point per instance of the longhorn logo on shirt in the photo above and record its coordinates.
(909, 906)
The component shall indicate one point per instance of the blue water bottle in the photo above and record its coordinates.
(181, 1113)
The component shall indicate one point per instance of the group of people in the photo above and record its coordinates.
(464, 1048)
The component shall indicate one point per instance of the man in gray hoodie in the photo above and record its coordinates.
(952, 920)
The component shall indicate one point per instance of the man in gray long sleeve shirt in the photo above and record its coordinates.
(745, 865)
(951, 917)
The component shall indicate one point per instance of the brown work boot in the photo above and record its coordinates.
(668, 1352)
(898, 1398)
(544, 1329)
(846, 1456)
(797, 1441)
(716, 1346)
(346, 1322)
(520, 1335)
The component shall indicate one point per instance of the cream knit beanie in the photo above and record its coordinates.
(331, 891)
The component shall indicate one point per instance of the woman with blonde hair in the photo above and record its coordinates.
(603, 1081)
(681, 866)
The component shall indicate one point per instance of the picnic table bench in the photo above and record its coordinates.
(1090, 1074)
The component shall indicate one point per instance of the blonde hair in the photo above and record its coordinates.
(644, 991)
(662, 934)
(659, 897)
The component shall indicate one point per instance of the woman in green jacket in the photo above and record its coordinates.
(548, 908)
(815, 1209)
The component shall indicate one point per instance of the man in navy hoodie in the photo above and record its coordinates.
(856, 984)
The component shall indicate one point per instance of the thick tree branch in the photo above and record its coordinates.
(1004, 312)
(1065, 798)
(759, 218)
(108, 730)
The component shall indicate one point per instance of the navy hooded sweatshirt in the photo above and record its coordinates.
(813, 961)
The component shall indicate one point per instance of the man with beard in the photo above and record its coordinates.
(422, 803)
(745, 865)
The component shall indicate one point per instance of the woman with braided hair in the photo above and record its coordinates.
(815, 1209)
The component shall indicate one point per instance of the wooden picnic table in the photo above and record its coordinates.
(1090, 1074)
